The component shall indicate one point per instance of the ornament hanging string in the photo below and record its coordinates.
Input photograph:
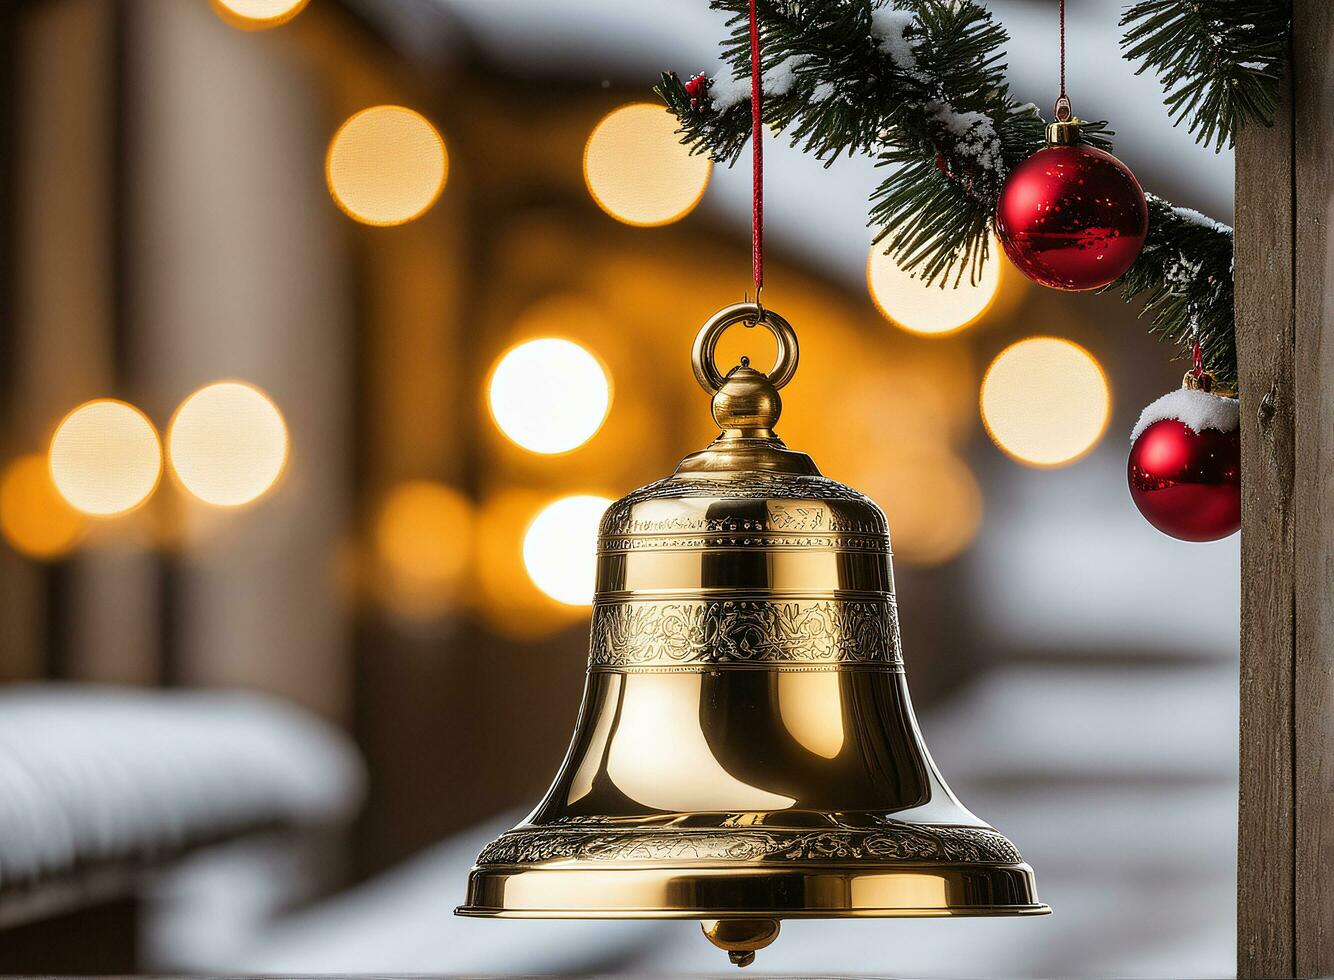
(1196, 354)
(757, 158)
(1063, 111)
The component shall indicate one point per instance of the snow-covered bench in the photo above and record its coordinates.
(101, 786)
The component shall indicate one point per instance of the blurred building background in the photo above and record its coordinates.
(168, 224)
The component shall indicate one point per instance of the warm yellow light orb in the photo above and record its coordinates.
(257, 15)
(560, 548)
(507, 601)
(227, 443)
(549, 395)
(932, 500)
(638, 170)
(931, 310)
(423, 540)
(386, 165)
(105, 457)
(35, 519)
(1045, 401)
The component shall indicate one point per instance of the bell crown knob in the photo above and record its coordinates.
(748, 404)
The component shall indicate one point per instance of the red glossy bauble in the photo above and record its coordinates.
(1187, 483)
(1072, 217)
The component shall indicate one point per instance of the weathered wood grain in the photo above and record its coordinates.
(1264, 282)
(1313, 490)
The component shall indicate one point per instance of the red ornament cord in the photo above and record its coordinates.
(1196, 353)
(757, 158)
(1063, 111)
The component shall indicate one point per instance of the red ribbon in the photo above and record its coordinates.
(757, 157)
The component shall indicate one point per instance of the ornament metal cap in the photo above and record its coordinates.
(747, 751)
(1064, 132)
(1205, 382)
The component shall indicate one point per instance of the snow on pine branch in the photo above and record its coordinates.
(975, 136)
(727, 90)
(891, 27)
(1203, 220)
(920, 86)
(1219, 60)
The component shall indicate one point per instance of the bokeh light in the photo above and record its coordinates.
(35, 519)
(549, 395)
(560, 548)
(227, 443)
(105, 457)
(422, 537)
(386, 165)
(932, 500)
(1045, 401)
(637, 169)
(931, 310)
(506, 600)
(258, 15)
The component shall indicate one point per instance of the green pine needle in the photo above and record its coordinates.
(1219, 60)
(920, 85)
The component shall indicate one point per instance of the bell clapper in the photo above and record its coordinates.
(740, 937)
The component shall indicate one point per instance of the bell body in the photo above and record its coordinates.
(746, 750)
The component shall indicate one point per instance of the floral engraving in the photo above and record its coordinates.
(743, 631)
(894, 841)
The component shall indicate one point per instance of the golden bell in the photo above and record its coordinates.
(746, 751)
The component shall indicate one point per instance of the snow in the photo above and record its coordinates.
(92, 773)
(1197, 410)
(1194, 217)
(975, 131)
(1190, 215)
(779, 79)
(728, 90)
(890, 26)
(823, 92)
(1180, 273)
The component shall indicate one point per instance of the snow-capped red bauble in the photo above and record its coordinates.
(1071, 216)
(1185, 464)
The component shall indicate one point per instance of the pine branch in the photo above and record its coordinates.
(920, 85)
(1220, 60)
(1184, 275)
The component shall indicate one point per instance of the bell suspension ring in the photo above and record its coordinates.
(703, 358)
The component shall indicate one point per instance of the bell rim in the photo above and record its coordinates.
(958, 911)
(816, 891)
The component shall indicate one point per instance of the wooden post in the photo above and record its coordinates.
(1285, 338)
(1313, 489)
